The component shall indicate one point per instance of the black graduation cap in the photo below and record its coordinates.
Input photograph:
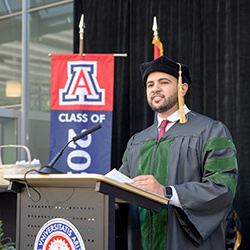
(166, 65)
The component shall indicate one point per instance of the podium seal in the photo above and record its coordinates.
(58, 234)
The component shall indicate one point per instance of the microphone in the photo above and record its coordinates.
(49, 168)
(86, 132)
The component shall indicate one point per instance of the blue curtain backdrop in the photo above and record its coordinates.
(212, 37)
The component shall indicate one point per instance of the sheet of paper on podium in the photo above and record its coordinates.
(118, 176)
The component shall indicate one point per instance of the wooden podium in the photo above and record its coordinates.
(86, 200)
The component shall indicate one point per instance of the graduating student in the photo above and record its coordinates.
(186, 157)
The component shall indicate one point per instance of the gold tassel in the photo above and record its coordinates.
(238, 238)
(183, 118)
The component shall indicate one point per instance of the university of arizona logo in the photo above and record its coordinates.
(82, 87)
(58, 234)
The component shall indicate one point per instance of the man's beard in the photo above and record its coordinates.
(166, 105)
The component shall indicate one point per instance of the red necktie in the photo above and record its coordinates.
(164, 124)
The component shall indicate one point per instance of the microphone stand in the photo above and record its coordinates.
(49, 169)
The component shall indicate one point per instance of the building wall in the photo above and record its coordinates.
(32, 30)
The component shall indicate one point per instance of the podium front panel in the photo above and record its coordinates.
(86, 209)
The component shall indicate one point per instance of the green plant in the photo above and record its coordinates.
(5, 243)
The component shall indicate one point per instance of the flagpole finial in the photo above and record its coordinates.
(81, 32)
(155, 27)
(82, 24)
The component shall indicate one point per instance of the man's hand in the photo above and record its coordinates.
(149, 183)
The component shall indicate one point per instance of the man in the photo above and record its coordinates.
(193, 164)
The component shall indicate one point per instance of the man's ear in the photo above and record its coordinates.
(184, 88)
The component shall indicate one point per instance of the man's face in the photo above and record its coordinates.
(162, 93)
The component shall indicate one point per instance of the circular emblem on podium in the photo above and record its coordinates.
(58, 234)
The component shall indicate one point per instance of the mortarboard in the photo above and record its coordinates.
(166, 65)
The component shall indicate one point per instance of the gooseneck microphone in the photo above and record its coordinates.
(86, 132)
(49, 169)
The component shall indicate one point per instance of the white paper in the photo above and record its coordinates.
(118, 176)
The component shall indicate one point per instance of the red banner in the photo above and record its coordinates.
(81, 97)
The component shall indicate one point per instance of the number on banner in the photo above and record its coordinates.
(83, 143)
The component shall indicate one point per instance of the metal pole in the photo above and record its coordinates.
(24, 110)
(115, 54)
